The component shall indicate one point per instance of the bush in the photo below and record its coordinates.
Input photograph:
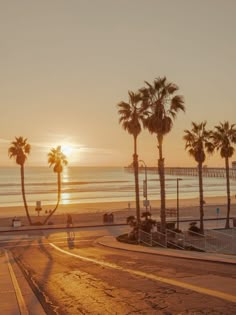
(147, 225)
(131, 221)
(124, 238)
(194, 228)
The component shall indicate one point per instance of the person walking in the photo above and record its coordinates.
(69, 220)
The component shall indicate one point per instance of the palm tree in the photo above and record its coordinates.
(197, 142)
(19, 150)
(161, 105)
(57, 159)
(131, 116)
(223, 137)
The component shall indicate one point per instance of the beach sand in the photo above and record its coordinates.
(92, 213)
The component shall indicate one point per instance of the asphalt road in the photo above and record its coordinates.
(72, 274)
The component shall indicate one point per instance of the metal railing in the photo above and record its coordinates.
(195, 240)
(175, 239)
(221, 241)
(153, 239)
(211, 241)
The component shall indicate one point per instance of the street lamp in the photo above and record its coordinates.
(145, 194)
(177, 181)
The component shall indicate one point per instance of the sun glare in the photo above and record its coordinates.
(66, 149)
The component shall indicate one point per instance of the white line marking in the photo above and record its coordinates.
(19, 296)
(221, 295)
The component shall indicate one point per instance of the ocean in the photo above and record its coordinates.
(97, 184)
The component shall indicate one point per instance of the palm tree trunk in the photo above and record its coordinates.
(136, 178)
(227, 225)
(58, 198)
(161, 170)
(23, 193)
(201, 197)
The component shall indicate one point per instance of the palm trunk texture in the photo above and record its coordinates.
(23, 193)
(58, 198)
(161, 170)
(201, 197)
(136, 178)
(227, 225)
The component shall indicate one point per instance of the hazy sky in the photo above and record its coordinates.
(64, 65)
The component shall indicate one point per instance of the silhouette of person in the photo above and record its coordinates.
(69, 220)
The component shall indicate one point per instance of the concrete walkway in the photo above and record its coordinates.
(110, 241)
(8, 296)
(16, 296)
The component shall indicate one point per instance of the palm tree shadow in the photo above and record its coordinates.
(36, 286)
(71, 239)
(39, 286)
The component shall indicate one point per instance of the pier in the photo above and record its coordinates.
(193, 171)
(206, 171)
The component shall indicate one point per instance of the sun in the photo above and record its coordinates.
(66, 149)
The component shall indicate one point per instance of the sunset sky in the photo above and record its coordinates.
(66, 64)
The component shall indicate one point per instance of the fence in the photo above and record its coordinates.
(212, 240)
(152, 239)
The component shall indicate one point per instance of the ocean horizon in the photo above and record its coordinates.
(97, 184)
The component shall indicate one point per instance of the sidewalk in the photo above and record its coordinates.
(110, 241)
(8, 299)
(27, 228)
(16, 296)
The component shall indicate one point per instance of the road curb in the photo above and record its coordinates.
(19, 296)
(162, 253)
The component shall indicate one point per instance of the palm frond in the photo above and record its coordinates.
(177, 104)
(198, 139)
(19, 150)
(57, 159)
(132, 113)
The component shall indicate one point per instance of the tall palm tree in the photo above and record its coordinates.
(197, 143)
(19, 150)
(131, 116)
(57, 159)
(161, 105)
(224, 136)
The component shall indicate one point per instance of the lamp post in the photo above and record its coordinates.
(145, 185)
(177, 181)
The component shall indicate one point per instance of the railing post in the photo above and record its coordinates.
(139, 236)
(205, 242)
(232, 242)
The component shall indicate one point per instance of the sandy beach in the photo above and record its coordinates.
(92, 213)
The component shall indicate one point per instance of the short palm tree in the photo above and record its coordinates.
(131, 116)
(161, 105)
(19, 150)
(197, 143)
(224, 136)
(57, 159)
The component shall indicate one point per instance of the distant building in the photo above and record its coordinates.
(234, 165)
